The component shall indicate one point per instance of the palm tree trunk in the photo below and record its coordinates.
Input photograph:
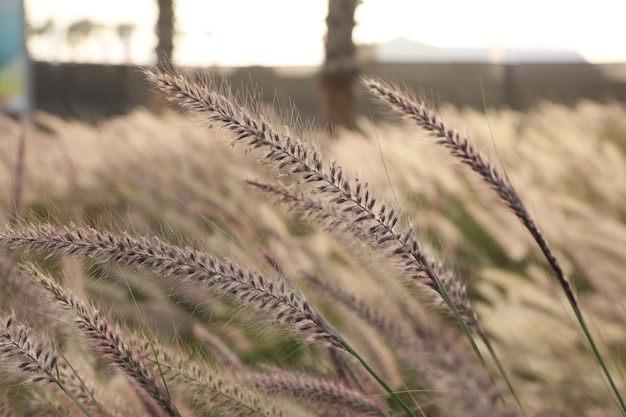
(165, 31)
(165, 46)
(340, 68)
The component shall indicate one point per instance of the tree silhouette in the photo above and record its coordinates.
(48, 26)
(81, 30)
(340, 67)
(165, 46)
(165, 31)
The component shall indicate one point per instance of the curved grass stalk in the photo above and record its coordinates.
(18, 340)
(408, 248)
(277, 299)
(461, 148)
(291, 155)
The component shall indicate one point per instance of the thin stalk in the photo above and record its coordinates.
(152, 348)
(460, 147)
(378, 379)
(583, 324)
(57, 382)
(74, 399)
(467, 332)
(158, 363)
(294, 157)
(495, 358)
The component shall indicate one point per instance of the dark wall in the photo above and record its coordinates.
(90, 91)
(87, 90)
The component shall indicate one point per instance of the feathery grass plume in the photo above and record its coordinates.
(108, 340)
(290, 155)
(339, 220)
(414, 261)
(29, 354)
(278, 299)
(461, 148)
(74, 385)
(331, 397)
(29, 357)
(293, 156)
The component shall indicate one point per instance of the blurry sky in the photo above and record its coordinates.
(290, 32)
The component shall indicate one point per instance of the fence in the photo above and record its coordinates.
(91, 91)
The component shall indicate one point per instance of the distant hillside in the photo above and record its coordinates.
(406, 50)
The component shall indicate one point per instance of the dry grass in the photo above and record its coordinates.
(355, 270)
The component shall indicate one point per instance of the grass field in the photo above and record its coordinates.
(272, 342)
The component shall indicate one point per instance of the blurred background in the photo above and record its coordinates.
(540, 86)
(86, 55)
